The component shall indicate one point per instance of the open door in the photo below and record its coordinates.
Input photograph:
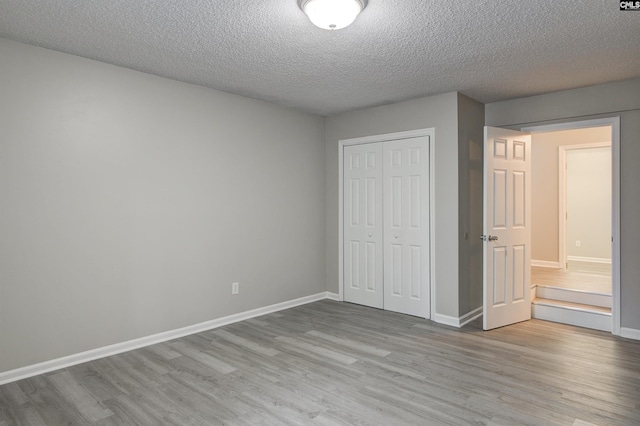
(507, 227)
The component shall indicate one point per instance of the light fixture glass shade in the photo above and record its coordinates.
(332, 14)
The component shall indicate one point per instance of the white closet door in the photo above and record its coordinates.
(363, 251)
(406, 226)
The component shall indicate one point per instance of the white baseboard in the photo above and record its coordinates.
(457, 321)
(589, 259)
(468, 317)
(545, 263)
(630, 333)
(446, 320)
(105, 351)
(333, 296)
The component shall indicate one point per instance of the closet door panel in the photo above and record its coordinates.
(363, 250)
(406, 226)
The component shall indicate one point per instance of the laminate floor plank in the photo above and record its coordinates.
(133, 411)
(54, 408)
(88, 375)
(203, 358)
(87, 405)
(246, 343)
(129, 377)
(350, 344)
(331, 363)
(309, 348)
(163, 350)
(27, 414)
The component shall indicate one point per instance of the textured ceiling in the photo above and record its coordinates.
(397, 49)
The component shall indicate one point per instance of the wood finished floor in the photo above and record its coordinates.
(332, 363)
(586, 276)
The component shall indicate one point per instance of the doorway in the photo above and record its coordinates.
(575, 248)
(586, 186)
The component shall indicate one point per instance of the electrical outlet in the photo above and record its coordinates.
(578, 244)
(235, 288)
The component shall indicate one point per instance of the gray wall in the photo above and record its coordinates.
(608, 100)
(131, 202)
(439, 112)
(470, 171)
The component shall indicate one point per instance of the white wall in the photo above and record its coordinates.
(131, 202)
(589, 203)
(545, 185)
(620, 99)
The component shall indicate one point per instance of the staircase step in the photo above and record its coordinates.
(589, 316)
(572, 305)
(576, 296)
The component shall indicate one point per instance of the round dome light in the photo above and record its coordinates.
(332, 14)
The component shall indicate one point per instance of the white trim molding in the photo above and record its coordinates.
(458, 322)
(470, 316)
(614, 122)
(589, 259)
(105, 351)
(546, 264)
(446, 320)
(630, 333)
(333, 296)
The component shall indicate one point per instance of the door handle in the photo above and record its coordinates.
(489, 238)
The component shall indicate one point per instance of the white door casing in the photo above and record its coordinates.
(406, 226)
(363, 249)
(507, 227)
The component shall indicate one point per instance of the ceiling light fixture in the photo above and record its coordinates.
(332, 14)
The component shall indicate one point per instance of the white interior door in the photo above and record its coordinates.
(363, 249)
(406, 226)
(507, 227)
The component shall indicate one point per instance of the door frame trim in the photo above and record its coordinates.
(430, 132)
(614, 122)
(562, 194)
